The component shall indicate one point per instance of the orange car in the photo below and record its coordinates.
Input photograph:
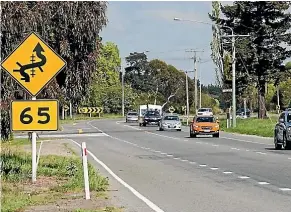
(204, 125)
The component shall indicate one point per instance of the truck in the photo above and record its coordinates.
(143, 109)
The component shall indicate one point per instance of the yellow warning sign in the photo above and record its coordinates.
(34, 115)
(33, 64)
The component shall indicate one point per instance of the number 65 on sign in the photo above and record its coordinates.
(35, 115)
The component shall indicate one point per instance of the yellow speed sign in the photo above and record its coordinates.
(35, 115)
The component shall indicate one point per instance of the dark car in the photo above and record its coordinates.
(151, 117)
(282, 132)
(241, 112)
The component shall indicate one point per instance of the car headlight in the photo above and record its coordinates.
(195, 126)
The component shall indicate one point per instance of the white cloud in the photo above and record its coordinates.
(170, 14)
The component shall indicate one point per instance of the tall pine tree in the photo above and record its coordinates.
(268, 24)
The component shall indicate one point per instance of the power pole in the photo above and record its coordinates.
(200, 89)
(195, 78)
(187, 98)
(122, 81)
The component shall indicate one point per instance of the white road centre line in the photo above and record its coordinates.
(263, 183)
(289, 158)
(198, 142)
(177, 158)
(157, 151)
(235, 148)
(184, 160)
(170, 155)
(214, 168)
(243, 177)
(227, 172)
(202, 165)
(163, 153)
(192, 162)
(151, 205)
(285, 189)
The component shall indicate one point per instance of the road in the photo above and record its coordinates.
(170, 172)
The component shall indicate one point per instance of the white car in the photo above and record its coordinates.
(170, 122)
(205, 112)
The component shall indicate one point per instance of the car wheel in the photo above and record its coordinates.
(179, 129)
(287, 143)
(161, 129)
(144, 124)
(216, 135)
(192, 135)
(277, 146)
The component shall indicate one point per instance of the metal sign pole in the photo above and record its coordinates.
(33, 152)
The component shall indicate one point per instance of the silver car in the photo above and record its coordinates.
(132, 116)
(170, 122)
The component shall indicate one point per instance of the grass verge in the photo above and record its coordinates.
(57, 176)
(80, 117)
(107, 209)
(251, 126)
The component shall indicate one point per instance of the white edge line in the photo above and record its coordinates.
(285, 189)
(243, 177)
(235, 139)
(263, 183)
(135, 192)
(227, 172)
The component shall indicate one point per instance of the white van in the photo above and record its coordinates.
(205, 112)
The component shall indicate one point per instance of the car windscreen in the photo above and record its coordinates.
(132, 114)
(204, 110)
(152, 113)
(143, 111)
(289, 117)
(172, 118)
(205, 119)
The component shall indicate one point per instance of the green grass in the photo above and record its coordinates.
(107, 209)
(252, 126)
(80, 117)
(16, 171)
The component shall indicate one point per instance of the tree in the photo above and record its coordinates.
(137, 74)
(70, 28)
(267, 23)
(288, 65)
(216, 46)
(106, 88)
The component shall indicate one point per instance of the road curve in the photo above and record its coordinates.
(182, 174)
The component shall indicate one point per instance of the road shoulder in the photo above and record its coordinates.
(59, 185)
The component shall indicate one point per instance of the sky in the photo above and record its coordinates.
(139, 26)
(149, 26)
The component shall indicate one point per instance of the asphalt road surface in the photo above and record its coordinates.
(170, 172)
